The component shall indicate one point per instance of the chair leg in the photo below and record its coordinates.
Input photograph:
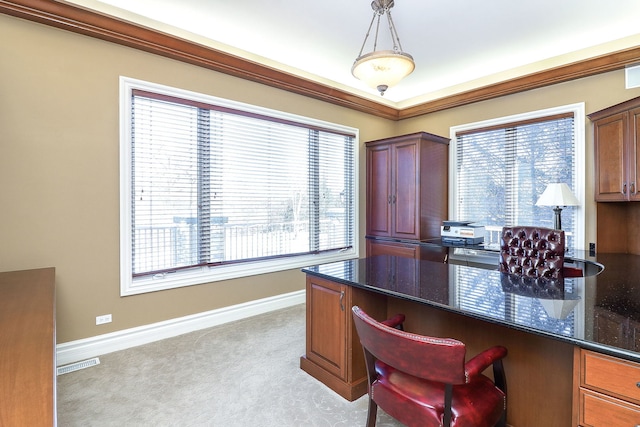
(372, 413)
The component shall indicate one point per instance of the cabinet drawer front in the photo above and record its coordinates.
(602, 411)
(613, 376)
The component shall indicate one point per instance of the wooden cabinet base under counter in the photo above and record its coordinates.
(608, 390)
(333, 352)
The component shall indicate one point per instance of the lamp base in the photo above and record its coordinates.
(558, 218)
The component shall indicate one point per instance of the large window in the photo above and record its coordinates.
(502, 166)
(213, 189)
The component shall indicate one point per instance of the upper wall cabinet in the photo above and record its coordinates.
(615, 136)
(407, 186)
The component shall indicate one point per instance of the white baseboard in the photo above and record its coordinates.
(74, 351)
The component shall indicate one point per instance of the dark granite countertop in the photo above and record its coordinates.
(600, 311)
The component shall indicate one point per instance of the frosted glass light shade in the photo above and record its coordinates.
(383, 69)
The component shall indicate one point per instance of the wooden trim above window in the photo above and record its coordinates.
(506, 125)
(94, 24)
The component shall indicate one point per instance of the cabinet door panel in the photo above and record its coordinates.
(406, 202)
(611, 167)
(326, 325)
(375, 248)
(634, 156)
(379, 191)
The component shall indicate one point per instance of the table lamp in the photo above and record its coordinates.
(557, 195)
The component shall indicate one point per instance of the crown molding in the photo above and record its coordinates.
(576, 70)
(91, 23)
(84, 21)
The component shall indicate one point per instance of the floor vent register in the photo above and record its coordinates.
(78, 365)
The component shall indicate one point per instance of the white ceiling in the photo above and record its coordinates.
(456, 44)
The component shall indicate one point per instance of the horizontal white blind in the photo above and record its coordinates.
(214, 186)
(503, 170)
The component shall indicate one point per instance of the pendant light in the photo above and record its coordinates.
(382, 69)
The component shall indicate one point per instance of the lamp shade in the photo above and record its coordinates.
(559, 308)
(383, 69)
(557, 195)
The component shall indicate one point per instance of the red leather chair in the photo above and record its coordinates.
(424, 381)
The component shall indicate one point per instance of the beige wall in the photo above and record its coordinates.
(59, 165)
(60, 178)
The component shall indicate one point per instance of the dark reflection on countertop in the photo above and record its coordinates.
(619, 285)
(600, 310)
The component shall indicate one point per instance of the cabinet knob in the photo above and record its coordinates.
(638, 384)
(342, 304)
(624, 188)
(633, 188)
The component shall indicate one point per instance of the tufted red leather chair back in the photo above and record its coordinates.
(532, 252)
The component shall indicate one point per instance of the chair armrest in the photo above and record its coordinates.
(483, 360)
(395, 322)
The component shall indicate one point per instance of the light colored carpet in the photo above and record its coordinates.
(244, 373)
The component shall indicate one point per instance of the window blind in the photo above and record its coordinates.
(501, 171)
(214, 186)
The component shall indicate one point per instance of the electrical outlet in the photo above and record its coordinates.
(103, 319)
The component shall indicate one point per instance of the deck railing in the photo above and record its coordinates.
(160, 248)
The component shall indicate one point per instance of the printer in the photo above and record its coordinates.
(461, 233)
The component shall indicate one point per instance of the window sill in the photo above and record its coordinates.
(202, 275)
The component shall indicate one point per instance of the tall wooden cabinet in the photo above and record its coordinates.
(407, 186)
(617, 154)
